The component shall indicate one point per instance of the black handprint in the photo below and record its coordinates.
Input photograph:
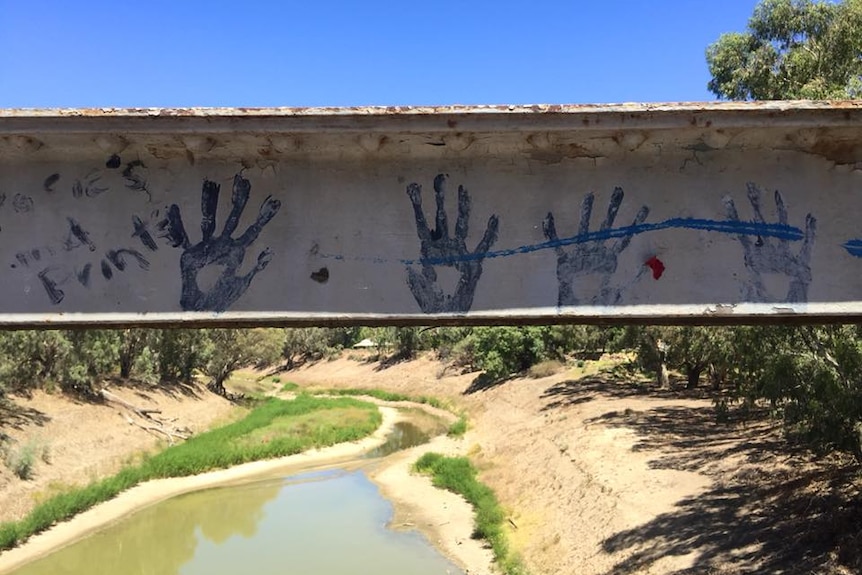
(438, 248)
(590, 257)
(774, 255)
(222, 250)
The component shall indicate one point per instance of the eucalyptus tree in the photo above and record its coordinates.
(793, 49)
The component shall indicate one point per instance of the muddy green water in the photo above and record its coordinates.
(404, 434)
(319, 523)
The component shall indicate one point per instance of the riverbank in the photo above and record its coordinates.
(601, 473)
(155, 491)
(444, 518)
(392, 473)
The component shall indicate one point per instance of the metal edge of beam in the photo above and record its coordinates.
(785, 114)
(748, 314)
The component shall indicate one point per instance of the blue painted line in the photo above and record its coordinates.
(854, 248)
(763, 230)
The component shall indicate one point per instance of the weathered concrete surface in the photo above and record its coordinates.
(704, 213)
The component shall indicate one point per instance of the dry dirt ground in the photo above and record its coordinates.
(602, 473)
(77, 441)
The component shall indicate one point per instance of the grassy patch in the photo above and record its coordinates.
(458, 475)
(248, 384)
(274, 429)
(316, 423)
(289, 386)
(222, 447)
(383, 395)
(459, 428)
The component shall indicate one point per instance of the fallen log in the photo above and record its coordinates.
(141, 411)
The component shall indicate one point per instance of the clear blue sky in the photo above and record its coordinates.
(89, 53)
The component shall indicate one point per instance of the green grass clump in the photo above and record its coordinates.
(221, 447)
(458, 475)
(459, 428)
(266, 432)
(289, 386)
(384, 395)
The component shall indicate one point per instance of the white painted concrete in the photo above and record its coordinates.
(337, 239)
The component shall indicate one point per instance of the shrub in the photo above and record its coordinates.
(503, 351)
(22, 460)
(459, 428)
(545, 368)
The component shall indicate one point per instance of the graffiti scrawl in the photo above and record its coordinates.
(223, 251)
(55, 275)
(591, 258)
(773, 256)
(439, 248)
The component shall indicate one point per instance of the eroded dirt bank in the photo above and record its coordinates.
(75, 442)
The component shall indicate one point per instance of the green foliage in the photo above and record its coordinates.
(32, 359)
(92, 353)
(181, 352)
(459, 428)
(146, 366)
(810, 376)
(445, 339)
(503, 351)
(135, 343)
(383, 395)
(690, 349)
(231, 349)
(215, 449)
(305, 344)
(399, 343)
(793, 49)
(458, 475)
(219, 448)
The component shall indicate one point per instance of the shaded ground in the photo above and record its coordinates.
(770, 509)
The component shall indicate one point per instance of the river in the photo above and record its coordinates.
(325, 522)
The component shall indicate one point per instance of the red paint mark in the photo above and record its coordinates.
(656, 265)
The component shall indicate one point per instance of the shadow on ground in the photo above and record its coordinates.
(587, 388)
(173, 389)
(781, 511)
(483, 383)
(16, 416)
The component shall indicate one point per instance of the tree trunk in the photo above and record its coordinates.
(693, 373)
(125, 366)
(661, 375)
(663, 381)
(221, 376)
